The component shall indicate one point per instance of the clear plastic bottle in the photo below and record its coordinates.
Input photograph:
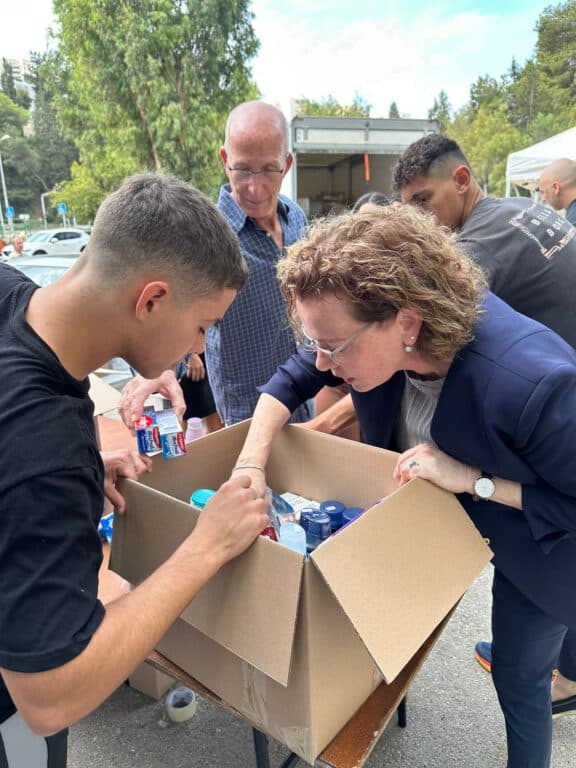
(195, 428)
(293, 536)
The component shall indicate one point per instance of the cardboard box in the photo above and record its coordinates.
(149, 681)
(298, 645)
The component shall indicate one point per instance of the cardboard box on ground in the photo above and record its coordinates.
(298, 645)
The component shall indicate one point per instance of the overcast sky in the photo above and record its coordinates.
(403, 51)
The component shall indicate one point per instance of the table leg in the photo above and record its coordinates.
(261, 749)
(402, 713)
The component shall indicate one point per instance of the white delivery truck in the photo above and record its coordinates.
(337, 159)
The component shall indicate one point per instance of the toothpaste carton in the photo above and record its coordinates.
(160, 431)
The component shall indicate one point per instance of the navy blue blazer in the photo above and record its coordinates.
(508, 407)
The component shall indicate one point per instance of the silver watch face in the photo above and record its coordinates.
(484, 487)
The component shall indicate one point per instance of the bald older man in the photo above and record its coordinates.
(558, 187)
(254, 337)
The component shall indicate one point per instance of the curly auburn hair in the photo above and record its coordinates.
(384, 261)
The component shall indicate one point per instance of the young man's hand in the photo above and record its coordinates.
(139, 389)
(230, 521)
(122, 463)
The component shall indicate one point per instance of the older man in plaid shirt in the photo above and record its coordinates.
(254, 337)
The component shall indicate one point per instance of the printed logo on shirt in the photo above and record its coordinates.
(545, 227)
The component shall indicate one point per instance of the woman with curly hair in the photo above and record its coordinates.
(475, 397)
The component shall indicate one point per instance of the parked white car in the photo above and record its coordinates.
(53, 242)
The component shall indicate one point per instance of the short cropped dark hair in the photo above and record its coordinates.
(433, 154)
(161, 226)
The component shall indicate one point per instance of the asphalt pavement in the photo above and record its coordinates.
(454, 720)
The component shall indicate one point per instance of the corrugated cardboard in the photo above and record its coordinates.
(149, 681)
(104, 397)
(298, 645)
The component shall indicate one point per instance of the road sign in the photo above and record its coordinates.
(9, 212)
(61, 209)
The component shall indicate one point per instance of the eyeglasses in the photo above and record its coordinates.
(245, 174)
(309, 344)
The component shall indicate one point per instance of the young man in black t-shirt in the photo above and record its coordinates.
(162, 265)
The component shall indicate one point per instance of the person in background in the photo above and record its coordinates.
(477, 398)
(558, 187)
(17, 245)
(528, 253)
(161, 267)
(191, 375)
(254, 337)
(374, 199)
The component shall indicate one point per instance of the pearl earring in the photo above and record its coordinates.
(409, 348)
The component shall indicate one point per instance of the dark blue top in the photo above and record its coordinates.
(508, 406)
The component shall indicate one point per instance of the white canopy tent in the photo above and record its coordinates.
(523, 167)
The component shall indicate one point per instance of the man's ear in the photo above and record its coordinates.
(223, 156)
(150, 299)
(288, 163)
(462, 176)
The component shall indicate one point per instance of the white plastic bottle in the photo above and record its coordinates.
(195, 428)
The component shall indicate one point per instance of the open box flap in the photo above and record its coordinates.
(400, 567)
(104, 397)
(250, 607)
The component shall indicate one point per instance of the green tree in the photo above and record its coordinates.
(556, 46)
(331, 107)
(147, 84)
(393, 112)
(55, 153)
(7, 80)
(12, 117)
(487, 141)
(441, 111)
(9, 88)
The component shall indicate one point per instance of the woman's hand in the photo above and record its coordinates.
(430, 463)
(122, 463)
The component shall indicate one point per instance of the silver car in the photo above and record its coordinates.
(53, 242)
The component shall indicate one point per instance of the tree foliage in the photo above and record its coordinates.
(55, 153)
(441, 110)
(147, 84)
(528, 103)
(331, 107)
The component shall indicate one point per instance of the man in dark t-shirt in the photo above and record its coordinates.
(527, 250)
(528, 253)
(162, 265)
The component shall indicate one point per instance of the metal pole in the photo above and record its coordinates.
(43, 204)
(5, 193)
(2, 227)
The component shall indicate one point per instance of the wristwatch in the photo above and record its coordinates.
(484, 487)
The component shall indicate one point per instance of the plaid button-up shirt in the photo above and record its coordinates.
(254, 337)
